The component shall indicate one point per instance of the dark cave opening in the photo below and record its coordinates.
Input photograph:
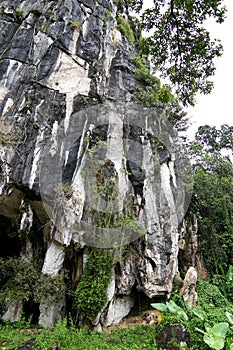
(31, 311)
(10, 241)
(143, 302)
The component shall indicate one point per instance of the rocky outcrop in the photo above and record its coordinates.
(189, 247)
(81, 165)
(188, 290)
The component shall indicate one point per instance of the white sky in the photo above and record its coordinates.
(216, 108)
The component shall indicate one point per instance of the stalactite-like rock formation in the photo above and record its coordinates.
(66, 85)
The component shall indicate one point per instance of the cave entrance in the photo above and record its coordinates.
(10, 241)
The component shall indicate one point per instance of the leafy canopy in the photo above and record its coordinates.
(212, 199)
(180, 47)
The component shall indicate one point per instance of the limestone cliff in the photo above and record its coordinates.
(80, 165)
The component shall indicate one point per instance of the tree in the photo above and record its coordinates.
(212, 199)
(180, 47)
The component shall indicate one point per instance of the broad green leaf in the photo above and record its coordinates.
(229, 317)
(172, 307)
(215, 336)
(160, 306)
(183, 315)
(199, 313)
(220, 329)
(214, 342)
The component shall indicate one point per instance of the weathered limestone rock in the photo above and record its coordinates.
(13, 312)
(188, 292)
(118, 309)
(50, 313)
(189, 252)
(78, 145)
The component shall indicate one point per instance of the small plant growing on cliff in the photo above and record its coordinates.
(19, 13)
(75, 25)
(125, 29)
(142, 72)
(91, 293)
(107, 13)
(64, 190)
(8, 135)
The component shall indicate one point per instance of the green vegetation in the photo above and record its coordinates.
(20, 280)
(36, 12)
(225, 283)
(213, 197)
(180, 46)
(209, 323)
(64, 191)
(156, 96)
(70, 338)
(125, 29)
(75, 25)
(91, 293)
(116, 2)
(107, 13)
(19, 13)
(8, 135)
(142, 72)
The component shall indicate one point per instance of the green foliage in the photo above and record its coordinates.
(107, 13)
(225, 283)
(214, 328)
(91, 293)
(142, 72)
(116, 2)
(20, 280)
(70, 338)
(212, 140)
(156, 96)
(180, 47)
(14, 335)
(172, 307)
(209, 296)
(75, 25)
(63, 191)
(125, 29)
(19, 13)
(36, 12)
(215, 336)
(212, 199)
(8, 135)
(209, 323)
(164, 94)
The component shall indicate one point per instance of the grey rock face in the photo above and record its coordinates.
(65, 71)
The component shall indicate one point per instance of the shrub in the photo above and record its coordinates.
(125, 29)
(91, 293)
(23, 281)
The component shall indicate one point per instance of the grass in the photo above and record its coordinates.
(14, 335)
(139, 338)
